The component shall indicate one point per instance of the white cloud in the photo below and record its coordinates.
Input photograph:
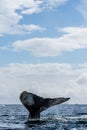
(48, 80)
(11, 13)
(23, 29)
(72, 39)
(39, 6)
(10, 18)
(54, 3)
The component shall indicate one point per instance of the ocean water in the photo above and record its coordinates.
(60, 117)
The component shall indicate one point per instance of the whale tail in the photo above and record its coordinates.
(36, 104)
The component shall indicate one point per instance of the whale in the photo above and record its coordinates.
(36, 104)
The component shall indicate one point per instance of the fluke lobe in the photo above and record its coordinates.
(36, 104)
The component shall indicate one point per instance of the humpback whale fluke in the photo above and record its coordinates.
(36, 104)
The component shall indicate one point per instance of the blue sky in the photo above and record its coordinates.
(43, 48)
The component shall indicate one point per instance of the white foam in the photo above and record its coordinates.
(73, 129)
(11, 126)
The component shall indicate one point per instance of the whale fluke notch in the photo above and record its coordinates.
(36, 104)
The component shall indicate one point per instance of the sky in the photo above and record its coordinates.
(43, 49)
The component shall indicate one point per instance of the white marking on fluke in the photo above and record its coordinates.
(30, 99)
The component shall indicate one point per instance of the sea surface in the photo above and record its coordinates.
(60, 117)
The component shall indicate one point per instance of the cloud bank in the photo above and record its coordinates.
(48, 80)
